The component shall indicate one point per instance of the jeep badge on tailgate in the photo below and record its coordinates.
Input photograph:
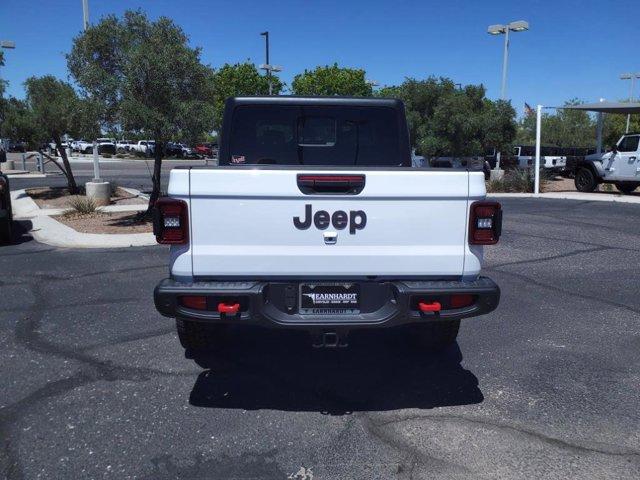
(356, 219)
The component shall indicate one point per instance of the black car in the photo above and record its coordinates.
(6, 215)
(17, 146)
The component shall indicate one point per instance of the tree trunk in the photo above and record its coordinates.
(71, 181)
(155, 179)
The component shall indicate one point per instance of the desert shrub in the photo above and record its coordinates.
(517, 181)
(120, 155)
(82, 205)
(106, 155)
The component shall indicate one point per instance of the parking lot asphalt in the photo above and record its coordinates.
(95, 385)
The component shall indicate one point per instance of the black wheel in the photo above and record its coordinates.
(585, 180)
(627, 187)
(6, 231)
(88, 150)
(201, 336)
(435, 335)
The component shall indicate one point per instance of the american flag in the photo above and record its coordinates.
(528, 110)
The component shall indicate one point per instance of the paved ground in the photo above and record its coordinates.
(95, 385)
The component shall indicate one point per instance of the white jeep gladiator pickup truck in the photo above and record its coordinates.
(315, 220)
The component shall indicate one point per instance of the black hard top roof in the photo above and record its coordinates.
(294, 100)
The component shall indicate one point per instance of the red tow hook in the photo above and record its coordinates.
(228, 307)
(429, 307)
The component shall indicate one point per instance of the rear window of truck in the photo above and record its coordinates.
(314, 135)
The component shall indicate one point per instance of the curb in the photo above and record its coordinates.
(589, 197)
(24, 174)
(46, 229)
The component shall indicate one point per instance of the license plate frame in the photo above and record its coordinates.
(333, 298)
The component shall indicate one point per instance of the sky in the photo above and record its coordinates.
(574, 48)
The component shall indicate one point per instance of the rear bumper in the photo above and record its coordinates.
(275, 303)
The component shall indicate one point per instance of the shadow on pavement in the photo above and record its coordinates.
(20, 233)
(379, 371)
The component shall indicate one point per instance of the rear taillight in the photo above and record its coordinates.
(171, 221)
(485, 223)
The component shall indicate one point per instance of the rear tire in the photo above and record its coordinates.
(626, 187)
(585, 180)
(6, 232)
(435, 335)
(201, 336)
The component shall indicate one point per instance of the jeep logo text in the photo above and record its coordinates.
(356, 219)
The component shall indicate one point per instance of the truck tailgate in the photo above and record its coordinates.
(242, 224)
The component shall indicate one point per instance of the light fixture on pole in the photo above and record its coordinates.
(632, 77)
(7, 44)
(517, 26)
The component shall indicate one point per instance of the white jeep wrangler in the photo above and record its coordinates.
(315, 220)
(620, 166)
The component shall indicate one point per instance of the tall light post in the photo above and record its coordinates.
(517, 26)
(632, 77)
(267, 67)
(85, 14)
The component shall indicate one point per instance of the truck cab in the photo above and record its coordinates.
(620, 166)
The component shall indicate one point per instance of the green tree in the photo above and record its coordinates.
(54, 107)
(240, 79)
(562, 128)
(615, 126)
(17, 122)
(332, 80)
(498, 125)
(147, 79)
(448, 121)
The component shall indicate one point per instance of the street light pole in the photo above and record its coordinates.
(505, 62)
(85, 14)
(517, 26)
(632, 77)
(267, 67)
(266, 41)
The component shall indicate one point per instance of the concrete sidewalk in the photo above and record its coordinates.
(584, 197)
(46, 229)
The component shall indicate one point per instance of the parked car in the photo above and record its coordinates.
(64, 144)
(174, 149)
(339, 194)
(124, 146)
(206, 149)
(620, 166)
(17, 146)
(6, 214)
(81, 146)
(144, 147)
(106, 145)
